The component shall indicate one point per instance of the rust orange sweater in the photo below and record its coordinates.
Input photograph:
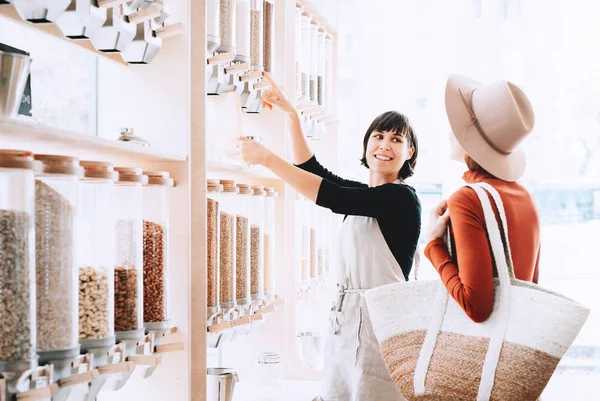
(469, 278)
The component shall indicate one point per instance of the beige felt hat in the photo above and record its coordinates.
(489, 122)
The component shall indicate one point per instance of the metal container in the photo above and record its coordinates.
(82, 19)
(144, 47)
(220, 384)
(117, 33)
(41, 11)
(14, 70)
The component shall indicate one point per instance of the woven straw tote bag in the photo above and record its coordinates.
(433, 351)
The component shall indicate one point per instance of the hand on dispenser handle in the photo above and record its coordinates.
(274, 97)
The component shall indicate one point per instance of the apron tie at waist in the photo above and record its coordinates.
(337, 306)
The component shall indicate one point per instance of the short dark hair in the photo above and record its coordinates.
(398, 123)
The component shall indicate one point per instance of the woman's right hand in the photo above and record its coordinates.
(274, 97)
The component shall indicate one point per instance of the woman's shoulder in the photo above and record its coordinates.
(401, 190)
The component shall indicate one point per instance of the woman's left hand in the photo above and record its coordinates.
(253, 152)
(438, 221)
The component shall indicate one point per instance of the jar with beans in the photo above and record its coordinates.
(95, 255)
(242, 245)
(128, 254)
(213, 188)
(227, 246)
(156, 249)
(257, 266)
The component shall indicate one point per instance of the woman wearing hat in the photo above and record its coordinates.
(488, 123)
(377, 240)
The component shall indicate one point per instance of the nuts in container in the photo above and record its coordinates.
(156, 249)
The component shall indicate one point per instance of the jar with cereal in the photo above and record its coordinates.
(213, 206)
(227, 246)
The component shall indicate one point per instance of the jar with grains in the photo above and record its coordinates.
(298, 50)
(56, 201)
(306, 17)
(269, 241)
(227, 245)
(213, 206)
(242, 26)
(95, 255)
(17, 261)
(156, 249)
(314, 60)
(256, 35)
(322, 237)
(322, 33)
(227, 31)
(213, 39)
(268, 34)
(129, 253)
(242, 244)
(313, 234)
(257, 232)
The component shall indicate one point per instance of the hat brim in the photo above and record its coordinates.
(506, 167)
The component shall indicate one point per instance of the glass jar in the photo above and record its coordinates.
(305, 61)
(298, 50)
(242, 245)
(156, 249)
(227, 31)
(298, 241)
(322, 33)
(267, 377)
(214, 189)
(17, 261)
(256, 35)
(314, 221)
(268, 32)
(242, 26)
(314, 60)
(128, 253)
(227, 223)
(56, 198)
(328, 72)
(269, 241)
(213, 39)
(306, 258)
(95, 247)
(257, 266)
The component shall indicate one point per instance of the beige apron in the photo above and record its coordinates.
(354, 369)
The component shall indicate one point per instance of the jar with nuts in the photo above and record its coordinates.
(242, 245)
(95, 249)
(56, 200)
(128, 254)
(257, 272)
(213, 188)
(17, 262)
(269, 241)
(156, 249)
(227, 245)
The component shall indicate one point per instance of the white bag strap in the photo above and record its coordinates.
(505, 271)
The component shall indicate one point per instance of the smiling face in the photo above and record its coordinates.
(387, 152)
(390, 148)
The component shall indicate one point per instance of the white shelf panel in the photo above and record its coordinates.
(216, 168)
(37, 138)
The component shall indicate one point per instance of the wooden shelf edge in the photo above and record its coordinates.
(9, 11)
(26, 133)
(258, 172)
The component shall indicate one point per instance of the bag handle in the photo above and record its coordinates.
(499, 319)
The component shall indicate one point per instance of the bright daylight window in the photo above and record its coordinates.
(397, 55)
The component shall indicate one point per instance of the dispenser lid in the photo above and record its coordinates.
(22, 159)
(59, 164)
(159, 178)
(98, 170)
(131, 175)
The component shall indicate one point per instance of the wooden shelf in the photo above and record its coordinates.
(17, 134)
(9, 11)
(216, 168)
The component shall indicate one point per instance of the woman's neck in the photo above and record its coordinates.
(376, 179)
